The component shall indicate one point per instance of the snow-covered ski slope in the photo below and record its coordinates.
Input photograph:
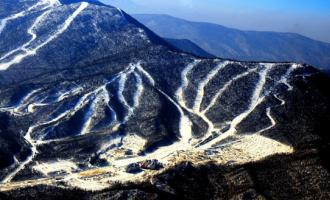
(152, 103)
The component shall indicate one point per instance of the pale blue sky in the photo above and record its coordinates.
(307, 17)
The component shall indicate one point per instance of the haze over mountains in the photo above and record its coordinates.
(94, 105)
(241, 45)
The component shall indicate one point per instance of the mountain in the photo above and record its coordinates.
(327, 72)
(93, 105)
(189, 47)
(241, 45)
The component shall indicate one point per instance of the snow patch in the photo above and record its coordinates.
(55, 166)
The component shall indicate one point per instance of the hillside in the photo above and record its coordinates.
(94, 105)
(241, 45)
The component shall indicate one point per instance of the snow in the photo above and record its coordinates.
(29, 159)
(45, 3)
(284, 79)
(185, 123)
(255, 100)
(203, 84)
(180, 92)
(31, 31)
(55, 166)
(18, 110)
(88, 117)
(281, 100)
(272, 120)
(243, 149)
(200, 93)
(30, 52)
(70, 93)
(122, 82)
(252, 148)
(139, 91)
(145, 73)
(225, 87)
(163, 152)
(134, 143)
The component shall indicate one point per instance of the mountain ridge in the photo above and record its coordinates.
(188, 46)
(241, 45)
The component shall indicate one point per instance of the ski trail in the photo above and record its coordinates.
(102, 94)
(185, 123)
(34, 150)
(31, 32)
(46, 3)
(25, 102)
(16, 110)
(211, 127)
(225, 87)
(203, 84)
(113, 113)
(90, 114)
(70, 93)
(255, 100)
(83, 101)
(139, 92)
(22, 165)
(146, 74)
(18, 58)
(163, 152)
(179, 94)
(281, 100)
(121, 87)
(285, 80)
(272, 120)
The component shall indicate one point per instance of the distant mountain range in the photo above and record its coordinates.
(188, 47)
(241, 45)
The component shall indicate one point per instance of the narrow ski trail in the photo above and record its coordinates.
(225, 87)
(45, 3)
(255, 100)
(201, 87)
(32, 51)
(31, 32)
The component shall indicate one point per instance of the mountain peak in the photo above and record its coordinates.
(94, 23)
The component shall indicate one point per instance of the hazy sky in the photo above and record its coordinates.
(307, 17)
